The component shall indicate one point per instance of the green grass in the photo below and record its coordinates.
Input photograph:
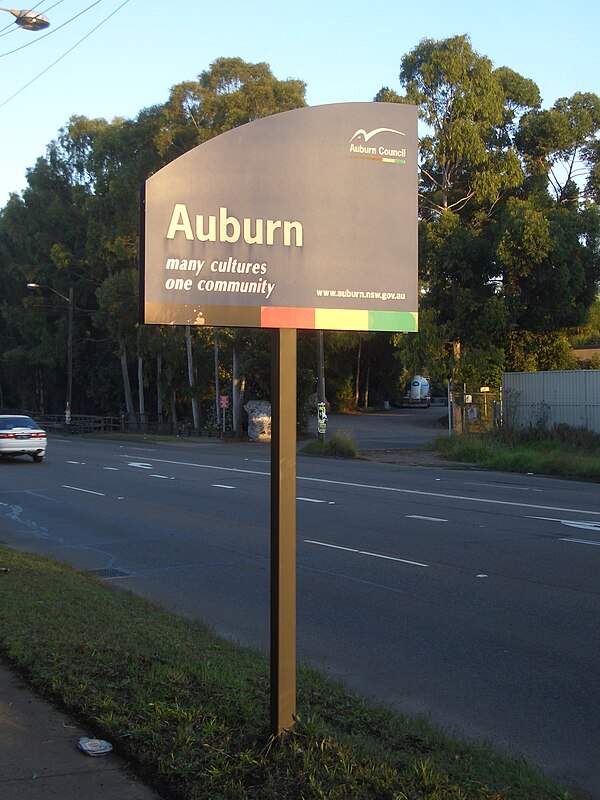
(190, 711)
(340, 443)
(563, 451)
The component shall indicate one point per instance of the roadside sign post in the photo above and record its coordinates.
(283, 530)
(223, 405)
(303, 220)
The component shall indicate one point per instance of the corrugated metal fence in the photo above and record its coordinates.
(545, 399)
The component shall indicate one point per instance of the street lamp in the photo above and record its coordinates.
(69, 300)
(30, 20)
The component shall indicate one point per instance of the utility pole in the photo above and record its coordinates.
(69, 359)
(321, 401)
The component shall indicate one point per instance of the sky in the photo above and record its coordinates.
(112, 58)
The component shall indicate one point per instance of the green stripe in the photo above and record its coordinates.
(404, 321)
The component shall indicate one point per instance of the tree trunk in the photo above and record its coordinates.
(191, 376)
(173, 405)
(457, 422)
(357, 383)
(238, 386)
(217, 387)
(126, 384)
(39, 392)
(159, 402)
(140, 379)
(141, 398)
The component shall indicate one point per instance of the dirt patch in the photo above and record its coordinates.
(410, 458)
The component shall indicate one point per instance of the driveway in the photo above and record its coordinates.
(396, 429)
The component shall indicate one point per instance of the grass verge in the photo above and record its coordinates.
(341, 443)
(562, 451)
(191, 710)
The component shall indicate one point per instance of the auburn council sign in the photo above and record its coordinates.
(305, 219)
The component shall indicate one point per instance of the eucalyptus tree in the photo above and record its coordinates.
(230, 93)
(100, 166)
(506, 245)
(42, 235)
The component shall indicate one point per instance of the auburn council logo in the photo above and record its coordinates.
(381, 150)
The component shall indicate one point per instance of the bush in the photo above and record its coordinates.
(341, 444)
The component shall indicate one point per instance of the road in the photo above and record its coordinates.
(468, 597)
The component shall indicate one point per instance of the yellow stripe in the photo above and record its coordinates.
(341, 319)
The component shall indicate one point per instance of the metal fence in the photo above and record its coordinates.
(89, 423)
(547, 399)
(474, 411)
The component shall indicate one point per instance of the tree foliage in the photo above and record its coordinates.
(508, 233)
(509, 254)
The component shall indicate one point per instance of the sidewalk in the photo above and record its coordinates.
(40, 759)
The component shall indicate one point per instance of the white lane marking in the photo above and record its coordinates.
(74, 462)
(78, 489)
(394, 489)
(429, 519)
(581, 541)
(139, 450)
(310, 500)
(165, 477)
(223, 486)
(140, 465)
(112, 469)
(365, 553)
(481, 575)
(504, 486)
(590, 525)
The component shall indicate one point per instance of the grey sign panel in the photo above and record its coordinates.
(303, 219)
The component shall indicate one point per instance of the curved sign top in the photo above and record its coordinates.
(305, 219)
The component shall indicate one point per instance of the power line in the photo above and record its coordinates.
(70, 50)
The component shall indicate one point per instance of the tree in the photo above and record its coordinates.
(82, 204)
(506, 245)
(469, 110)
(230, 93)
(117, 300)
(560, 145)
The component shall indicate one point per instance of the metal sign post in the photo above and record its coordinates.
(223, 405)
(283, 530)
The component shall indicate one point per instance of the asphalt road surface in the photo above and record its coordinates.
(467, 597)
(404, 428)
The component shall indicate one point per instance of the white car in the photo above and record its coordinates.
(21, 436)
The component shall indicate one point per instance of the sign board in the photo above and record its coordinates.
(305, 219)
(223, 401)
(321, 417)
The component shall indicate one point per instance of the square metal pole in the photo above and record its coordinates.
(283, 530)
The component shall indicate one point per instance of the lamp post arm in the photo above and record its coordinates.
(69, 299)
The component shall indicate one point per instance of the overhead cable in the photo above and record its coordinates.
(70, 50)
